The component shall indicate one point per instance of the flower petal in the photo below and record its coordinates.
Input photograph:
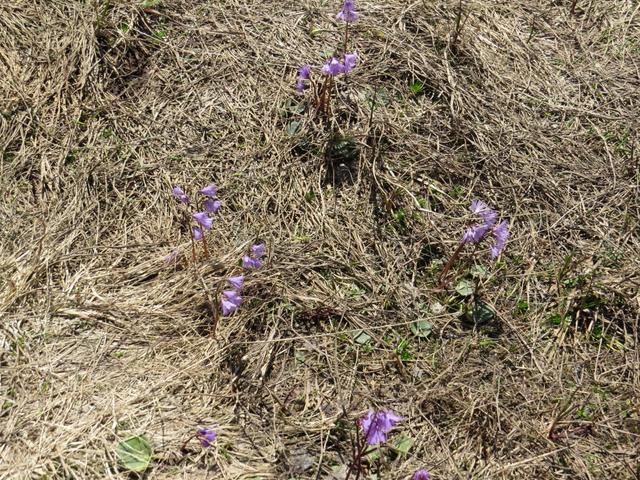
(210, 190)
(203, 220)
(236, 282)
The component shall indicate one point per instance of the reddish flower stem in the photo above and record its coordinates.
(456, 254)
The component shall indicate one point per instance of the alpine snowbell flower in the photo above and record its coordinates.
(180, 195)
(210, 190)
(304, 72)
(350, 60)
(376, 425)
(332, 68)
(250, 262)
(203, 220)
(421, 474)
(258, 250)
(300, 86)
(254, 260)
(171, 257)
(236, 282)
(501, 233)
(197, 233)
(478, 232)
(480, 208)
(475, 233)
(231, 300)
(212, 205)
(348, 13)
(206, 436)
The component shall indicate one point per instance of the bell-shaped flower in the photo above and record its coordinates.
(350, 60)
(203, 220)
(304, 72)
(236, 282)
(212, 205)
(210, 190)
(348, 12)
(258, 250)
(206, 436)
(333, 67)
(376, 425)
(180, 195)
(421, 474)
(250, 262)
(501, 234)
(231, 300)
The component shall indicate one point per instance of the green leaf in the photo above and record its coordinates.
(464, 288)
(403, 444)
(482, 313)
(135, 453)
(293, 127)
(421, 328)
(362, 338)
(478, 271)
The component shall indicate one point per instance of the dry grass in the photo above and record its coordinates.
(105, 106)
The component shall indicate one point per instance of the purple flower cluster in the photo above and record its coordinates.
(231, 298)
(254, 259)
(206, 436)
(211, 205)
(376, 425)
(479, 231)
(334, 67)
(348, 13)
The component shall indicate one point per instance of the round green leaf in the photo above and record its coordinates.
(478, 271)
(403, 444)
(362, 338)
(482, 313)
(464, 288)
(421, 328)
(135, 453)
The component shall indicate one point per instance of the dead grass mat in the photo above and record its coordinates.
(533, 107)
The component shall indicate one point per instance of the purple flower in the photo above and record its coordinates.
(231, 300)
(206, 437)
(171, 257)
(421, 475)
(376, 425)
(180, 195)
(212, 205)
(236, 282)
(332, 68)
(350, 60)
(479, 231)
(250, 262)
(258, 250)
(304, 72)
(300, 86)
(348, 12)
(476, 233)
(501, 233)
(480, 208)
(210, 190)
(197, 233)
(203, 220)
